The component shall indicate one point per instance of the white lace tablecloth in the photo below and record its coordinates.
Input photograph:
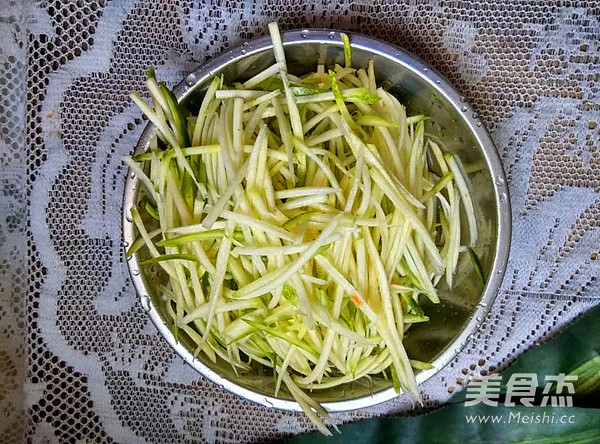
(79, 359)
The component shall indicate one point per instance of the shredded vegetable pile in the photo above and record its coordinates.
(301, 220)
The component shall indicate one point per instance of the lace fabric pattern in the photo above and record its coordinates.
(79, 359)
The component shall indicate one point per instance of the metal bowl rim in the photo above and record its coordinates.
(443, 87)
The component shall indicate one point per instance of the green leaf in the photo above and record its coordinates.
(588, 377)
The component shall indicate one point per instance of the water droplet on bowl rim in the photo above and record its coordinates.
(331, 35)
(135, 272)
(190, 80)
(145, 300)
(132, 175)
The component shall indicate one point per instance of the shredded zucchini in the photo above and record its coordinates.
(299, 220)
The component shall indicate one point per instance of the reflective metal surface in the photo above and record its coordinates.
(423, 90)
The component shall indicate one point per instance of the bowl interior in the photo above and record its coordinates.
(433, 341)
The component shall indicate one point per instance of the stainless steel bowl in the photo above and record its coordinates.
(453, 121)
